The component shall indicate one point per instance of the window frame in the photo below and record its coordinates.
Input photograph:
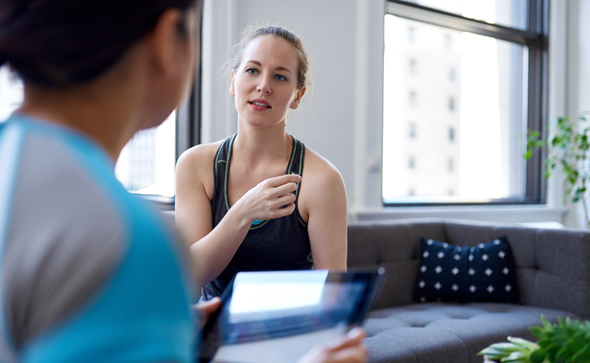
(535, 38)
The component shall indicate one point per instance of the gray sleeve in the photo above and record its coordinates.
(64, 241)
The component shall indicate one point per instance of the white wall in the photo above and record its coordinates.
(577, 76)
(342, 119)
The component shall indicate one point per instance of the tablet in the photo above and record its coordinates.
(278, 316)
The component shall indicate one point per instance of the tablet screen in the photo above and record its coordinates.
(279, 316)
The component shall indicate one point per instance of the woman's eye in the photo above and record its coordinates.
(280, 78)
(251, 71)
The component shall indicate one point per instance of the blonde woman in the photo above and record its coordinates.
(261, 199)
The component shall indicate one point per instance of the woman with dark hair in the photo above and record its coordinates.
(89, 272)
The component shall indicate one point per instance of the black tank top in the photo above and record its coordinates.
(275, 244)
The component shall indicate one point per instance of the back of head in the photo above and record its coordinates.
(54, 43)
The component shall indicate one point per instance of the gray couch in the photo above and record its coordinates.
(553, 271)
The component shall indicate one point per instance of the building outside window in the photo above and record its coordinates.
(491, 56)
(412, 133)
(147, 163)
(412, 66)
(452, 104)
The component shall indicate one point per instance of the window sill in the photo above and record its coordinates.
(502, 213)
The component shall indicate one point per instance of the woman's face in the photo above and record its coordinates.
(265, 83)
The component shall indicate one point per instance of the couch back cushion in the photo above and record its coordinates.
(553, 266)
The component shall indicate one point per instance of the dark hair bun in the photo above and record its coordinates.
(61, 42)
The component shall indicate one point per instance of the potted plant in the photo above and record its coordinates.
(568, 149)
(568, 341)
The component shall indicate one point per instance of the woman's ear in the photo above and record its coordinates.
(297, 99)
(232, 86)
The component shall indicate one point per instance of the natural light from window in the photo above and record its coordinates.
(510, 13)
(146, 164)
(454, 119)
(11, 93)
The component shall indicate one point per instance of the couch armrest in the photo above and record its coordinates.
(562, 279)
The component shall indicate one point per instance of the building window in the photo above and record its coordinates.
(412, 99)
(411, 163)
(452, 104)
(412, 133)
(412, 65)
(411, 35)
(499, 54)
(448, 41)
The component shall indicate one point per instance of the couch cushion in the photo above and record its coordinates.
(481, 273)
(447, 332)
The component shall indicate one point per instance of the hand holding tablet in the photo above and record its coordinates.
(280, 316)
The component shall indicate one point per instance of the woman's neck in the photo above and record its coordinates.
(266, 145)
(101, 116)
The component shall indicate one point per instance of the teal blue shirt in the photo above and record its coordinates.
(90, 272)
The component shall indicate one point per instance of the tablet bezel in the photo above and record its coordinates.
(372, 283)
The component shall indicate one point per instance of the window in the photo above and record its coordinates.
(11, 93)
(452, 104)
(448, 41)
(483, 70)
(412, 99)
(412, 66)
(452, 74)
(412, 133)
(146, 164)
(411, 35)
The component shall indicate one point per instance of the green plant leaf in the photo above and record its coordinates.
(515, 357)
(546, 323)
(563, 355)
(538, 356)
(537, 331)
(582, 356)
(526, 344)
(575, 344)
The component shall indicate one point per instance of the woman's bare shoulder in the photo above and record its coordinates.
(316, 166)
(198, 157)
(322, 185)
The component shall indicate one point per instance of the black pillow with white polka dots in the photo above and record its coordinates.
(484, 273)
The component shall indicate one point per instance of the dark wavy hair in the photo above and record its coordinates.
(56, 43)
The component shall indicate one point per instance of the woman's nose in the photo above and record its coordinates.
(264, 85)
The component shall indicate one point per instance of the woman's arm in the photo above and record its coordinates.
(213, 248)
(323, 202)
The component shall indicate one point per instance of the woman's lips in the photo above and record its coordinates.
(259, 105)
